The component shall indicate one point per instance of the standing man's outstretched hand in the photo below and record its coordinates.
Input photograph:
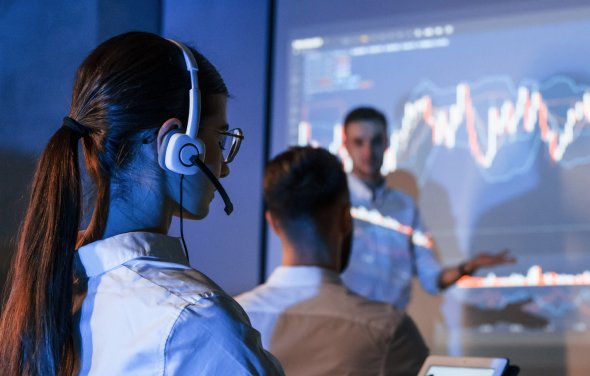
(483, 260)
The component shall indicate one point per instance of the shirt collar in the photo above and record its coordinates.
(362, 190)
(292, 276)
(103, 255)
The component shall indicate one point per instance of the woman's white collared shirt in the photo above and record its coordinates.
(146, 312)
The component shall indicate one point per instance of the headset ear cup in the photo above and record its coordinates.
(176, 151)
(200, 146)
(163, 148)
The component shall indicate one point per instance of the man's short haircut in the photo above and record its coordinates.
(365, 114)
(303, 181)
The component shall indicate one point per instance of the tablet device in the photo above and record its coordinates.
(436, 365)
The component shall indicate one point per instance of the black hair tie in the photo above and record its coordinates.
(80, 130)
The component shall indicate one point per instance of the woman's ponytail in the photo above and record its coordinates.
(36, 324)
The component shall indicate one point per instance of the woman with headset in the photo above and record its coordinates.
(119, 296)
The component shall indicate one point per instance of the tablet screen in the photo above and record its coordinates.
(458, 371)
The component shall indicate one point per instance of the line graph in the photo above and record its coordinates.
(374, 217)
(558, 307)
(528, 113)
(486, 118)
(535, 277)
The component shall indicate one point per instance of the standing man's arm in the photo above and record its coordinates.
(425, 263)
(432, 277)
(449, 276)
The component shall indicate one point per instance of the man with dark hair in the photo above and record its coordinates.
(365, 114)
(307, 318)
(390, 243)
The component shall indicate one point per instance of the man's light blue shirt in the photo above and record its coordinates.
(390, 245)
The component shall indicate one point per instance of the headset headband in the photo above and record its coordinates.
(194, 113)
(184, 151)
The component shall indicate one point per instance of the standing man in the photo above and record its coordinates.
(390, 243)
(307, 318)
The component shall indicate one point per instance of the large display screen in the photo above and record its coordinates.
(489, 117)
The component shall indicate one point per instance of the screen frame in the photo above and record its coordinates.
(498, 365)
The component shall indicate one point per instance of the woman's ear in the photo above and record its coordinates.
(165, 133)
(167, 126)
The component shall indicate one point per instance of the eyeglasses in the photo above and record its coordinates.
(229, 143)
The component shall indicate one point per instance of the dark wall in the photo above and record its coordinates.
(233, 35)
(41, 45)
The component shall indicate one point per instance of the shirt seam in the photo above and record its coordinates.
(187, 304)
(238, 320)
(231, 358)
(209, 293)
(170, 331)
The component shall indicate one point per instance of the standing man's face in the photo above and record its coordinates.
(366, 141)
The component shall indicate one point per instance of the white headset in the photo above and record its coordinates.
(178, 150)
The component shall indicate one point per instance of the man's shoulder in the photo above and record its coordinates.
(250, 297)
(398, 195)
(337, 303)
(331, 300)
(261, 298)
(372, 312)
(391, 195)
